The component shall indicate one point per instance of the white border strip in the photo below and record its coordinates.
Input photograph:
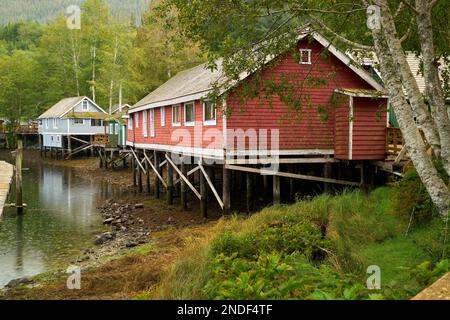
(169, 102)
(350, 128)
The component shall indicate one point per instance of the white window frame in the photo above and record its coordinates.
(83, 104)
(152, 123)
(163, 116)
(47, 123)
(78, 124)
(309, 56)
(55, 123)
(136, 119)
(209, 122)
(189, 123)
(130, 123)
(176, 124)
(145, 123)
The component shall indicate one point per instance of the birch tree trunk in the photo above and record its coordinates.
(111, 87)
(433, 85)
(416, 99)
(76, 62)
(435, 186)
(94, 62)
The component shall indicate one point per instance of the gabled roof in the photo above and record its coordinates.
(116, 108)
(194, 83)
(184, 86)
(64, 106)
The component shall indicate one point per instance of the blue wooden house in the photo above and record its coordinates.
(71, 120)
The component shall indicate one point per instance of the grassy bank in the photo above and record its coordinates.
(318, 249)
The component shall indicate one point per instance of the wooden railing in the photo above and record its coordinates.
(394, 141)
(22, 129)
(105, 140)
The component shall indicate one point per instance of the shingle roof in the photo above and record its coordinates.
(195, 80)
(61, 107)
(190, 83)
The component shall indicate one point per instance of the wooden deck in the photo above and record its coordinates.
(6, 174)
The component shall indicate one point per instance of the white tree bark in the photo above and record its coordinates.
(435, 186)
(433, 85)
(416, 99)
(75, 52)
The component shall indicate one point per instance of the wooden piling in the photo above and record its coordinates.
(19, 157)
(327, 173)
(267, 189)
(147, 176)
(69, 147)
(40, 144)
(183, 187)
(169, 183)
(276, 190)
(141, 187)
(226, 191)
(212, 177)
(158, 169)
(133, 168)
(249, 193)
(204, 195)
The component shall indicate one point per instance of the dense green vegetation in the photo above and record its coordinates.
(41, 64)
(12, 11)
(317, 249)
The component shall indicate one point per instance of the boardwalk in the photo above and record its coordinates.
(440, 290)
(6, 174)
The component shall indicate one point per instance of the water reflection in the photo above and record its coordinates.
(59, 222)
(19, 243)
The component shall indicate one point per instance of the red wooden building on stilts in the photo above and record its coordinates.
(341, 126)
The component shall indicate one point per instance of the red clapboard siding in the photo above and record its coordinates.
(369, 129)
(186, 136)
(310, 131)
(341, 129)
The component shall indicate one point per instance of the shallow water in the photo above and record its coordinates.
(59, 223)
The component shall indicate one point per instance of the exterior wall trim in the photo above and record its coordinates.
(350, 128)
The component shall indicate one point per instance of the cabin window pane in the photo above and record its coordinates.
(55, 123)
(176, 115)
(85, 105)
(78, 121)
(47, 122)
(209, 112)
(144, 123)
(305, 56)
(163, 116)
(136, 119)
(152, 122)
(130, 122)
(189, 113)
(96, 123)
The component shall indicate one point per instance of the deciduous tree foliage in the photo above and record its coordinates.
(41, 64)
(245, 32)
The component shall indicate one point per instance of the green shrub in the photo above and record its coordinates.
(426, 273)
(411, 196)
(275, 276)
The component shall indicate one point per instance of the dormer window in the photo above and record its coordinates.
(305, 56)
(85, 105)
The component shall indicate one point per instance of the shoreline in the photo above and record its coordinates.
(134, 222)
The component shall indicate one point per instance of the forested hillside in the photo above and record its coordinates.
(46, 10)
(43, 63)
